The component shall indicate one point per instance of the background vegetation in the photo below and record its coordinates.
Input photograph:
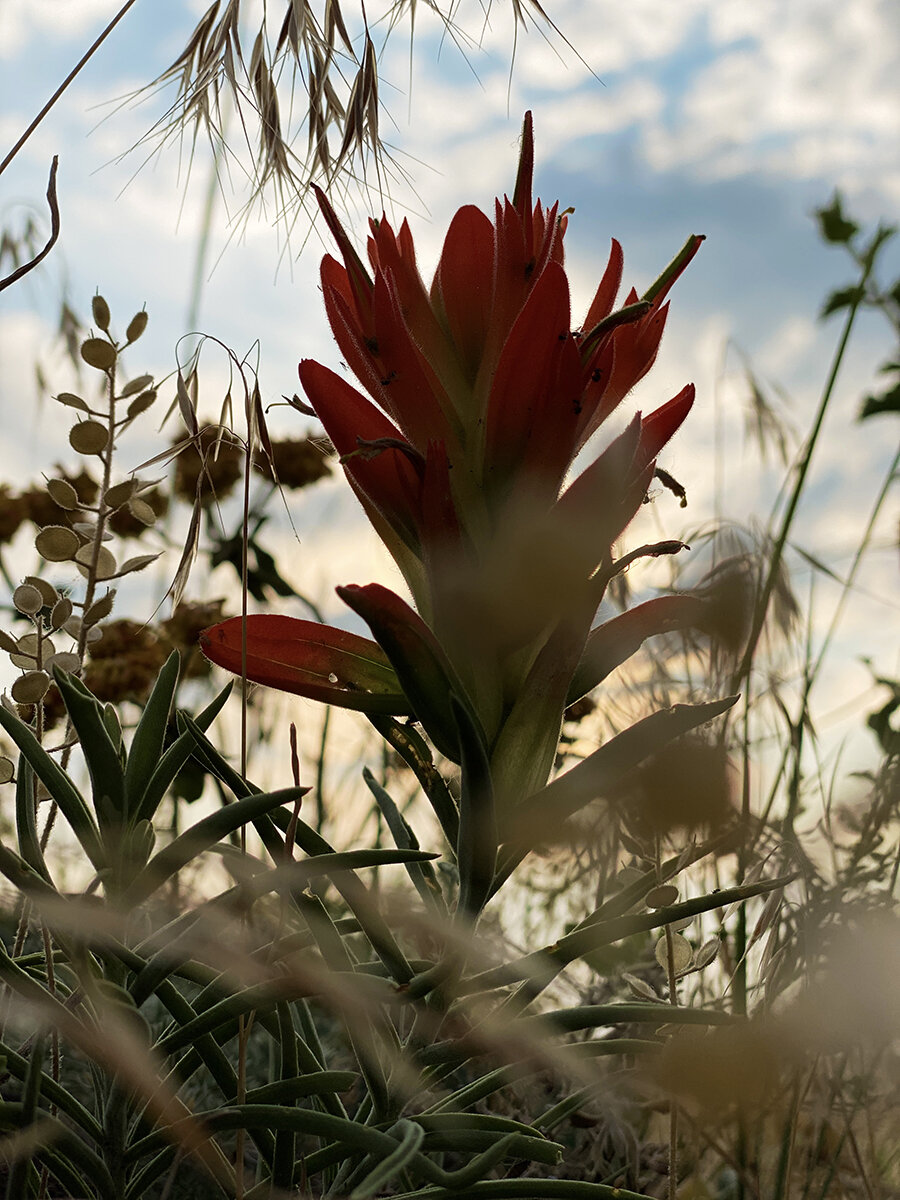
(246, 1003)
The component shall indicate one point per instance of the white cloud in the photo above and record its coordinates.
(790, 342)
(607, 38)
(796, 96)
(24, 20)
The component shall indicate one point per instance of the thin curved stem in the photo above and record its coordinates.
(85, 58)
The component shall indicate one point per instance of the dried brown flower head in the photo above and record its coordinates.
(54, 713)
(124, 663)
(13, 511)
(580, 709)
(215, 471)
(43, 510)
(123, 521)
(298, 462)
(686, 785)
(183, 629)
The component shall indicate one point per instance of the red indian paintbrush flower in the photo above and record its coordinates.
(486, 365)
(477, 395)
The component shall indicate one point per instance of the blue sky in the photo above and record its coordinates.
(708, 116)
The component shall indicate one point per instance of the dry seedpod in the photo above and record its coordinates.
(48, 591)
(72, 401)
(100, 309)
(60, 613)
(62, 493)
(136, 326)
(682, 953)
(8, 643)
(662, 896)
(89, 437)
(120, 493)
(142, 511)
(73, 628)
(707, 953)
(87, 530)
(140, 383)
(627, 876)
(141, 403)
(138, 563)
(106, 561)
(7, 770)
(26, 652)
(28, 600)
(27, 648)
(31, 687)
(57, 543)
(639, 988)
(100, 608)
(99, 353)
(65, 660)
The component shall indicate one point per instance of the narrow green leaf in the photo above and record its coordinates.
(353, 1136)
(360, 1033)
(882, 234)
(541, 815)
(476, 850)
(21, 1169)
(213, 760)
(175, 758)
(357, 896)
(26, 821)
(411, 1137)
(146, 747)
(414, 751)
(70, 1161)
(480, 1088)
(18, 1066)
(421, 873)
(842, 298)
(209, 757)
(202, 836)
(100, 752)
(884, 402)
(593, 1016)
(495, 1148)
(71, 802)
(524, 1189)
(300, 1087)
(114, 728)
(455, 1122)
(545, 964)
(284, 1154)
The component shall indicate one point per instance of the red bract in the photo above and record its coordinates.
(487, 362)
(310, 659)
(477, 395)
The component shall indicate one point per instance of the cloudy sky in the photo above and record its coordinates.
(705, 116)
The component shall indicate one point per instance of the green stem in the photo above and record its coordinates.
(762, 604)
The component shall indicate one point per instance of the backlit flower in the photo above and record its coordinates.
(475, 396)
